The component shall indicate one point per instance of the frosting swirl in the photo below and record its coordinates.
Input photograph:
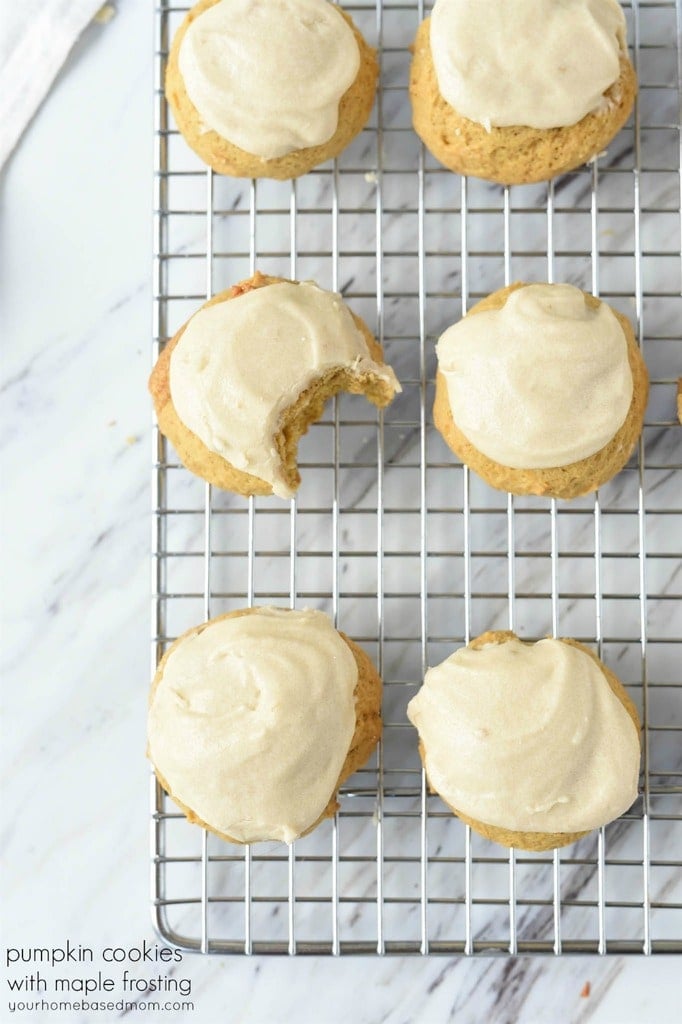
(252, 720)
(528, 737)
(539, 63)
(268, 75)
(542, 382)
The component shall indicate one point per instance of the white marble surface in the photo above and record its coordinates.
(75, 298)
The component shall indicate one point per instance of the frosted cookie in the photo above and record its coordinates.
(244, 378)
(541, 389)
(532, 745)
(518, 91)
(257, 717)
(269, 88)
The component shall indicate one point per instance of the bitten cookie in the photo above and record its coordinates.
(541, 389)
(257, 717)
(269, 90)
(518, 91)
(244, 378)
(532, 745)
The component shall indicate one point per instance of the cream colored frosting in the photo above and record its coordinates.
(543, 381)
(241, 363)
(252, 721)
(268, 75)
(539, 63)
(528, 737)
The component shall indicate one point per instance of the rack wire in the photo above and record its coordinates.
(411, 553)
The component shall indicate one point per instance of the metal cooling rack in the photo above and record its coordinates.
(409, 552)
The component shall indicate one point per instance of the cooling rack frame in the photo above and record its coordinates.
(394, 872)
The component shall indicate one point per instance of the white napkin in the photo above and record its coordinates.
(36, 37)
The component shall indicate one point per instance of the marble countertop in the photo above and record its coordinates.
(75, 297)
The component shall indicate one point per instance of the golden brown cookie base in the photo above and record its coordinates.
(538, 841)
(367, 696)
(224, 157)
(308, 408)
(569, 481)
(515, 155)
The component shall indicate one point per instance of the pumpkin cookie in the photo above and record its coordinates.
(257, 717)
(532, 745)
(269, 90)
(541, 389)
(518, 91)
(244, 378)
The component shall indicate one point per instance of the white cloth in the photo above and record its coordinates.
(36, 37)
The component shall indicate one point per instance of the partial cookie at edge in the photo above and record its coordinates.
(516, 155)
(224, 157)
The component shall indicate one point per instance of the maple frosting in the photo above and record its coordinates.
(527, 737)
(252, 721)
(542, 382)
(268, 75)
(539, 63)
(241, 363)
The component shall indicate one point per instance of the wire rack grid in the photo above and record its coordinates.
(410, 553)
